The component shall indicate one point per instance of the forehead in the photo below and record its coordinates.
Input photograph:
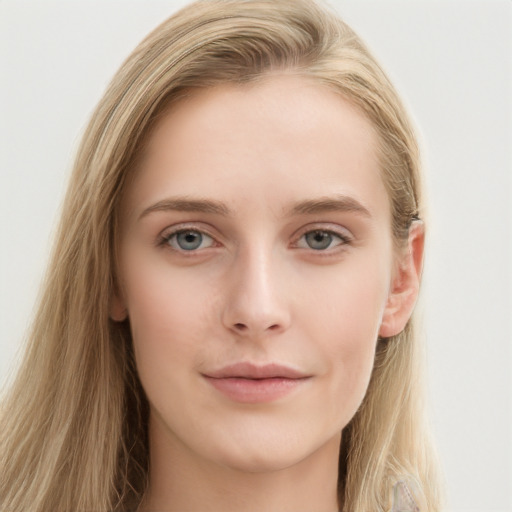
(282, 137)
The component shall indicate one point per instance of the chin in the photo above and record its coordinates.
(259, 462)
(276, 451)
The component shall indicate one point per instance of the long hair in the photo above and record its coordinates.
(73, 427)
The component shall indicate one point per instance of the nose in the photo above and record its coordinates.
(256, 304)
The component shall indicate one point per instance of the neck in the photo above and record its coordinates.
(181, 481)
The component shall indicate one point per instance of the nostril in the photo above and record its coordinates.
(243, 327)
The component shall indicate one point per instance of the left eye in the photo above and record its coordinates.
(319, 240)
(189, 240)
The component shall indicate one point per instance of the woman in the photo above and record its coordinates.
(226, 321)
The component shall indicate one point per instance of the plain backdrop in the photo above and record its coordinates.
(452, 63)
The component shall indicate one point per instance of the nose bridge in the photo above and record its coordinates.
(256, 298)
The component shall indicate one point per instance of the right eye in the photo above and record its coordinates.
(188, 240)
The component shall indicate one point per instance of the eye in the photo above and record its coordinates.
(320, 240)
(188, 240)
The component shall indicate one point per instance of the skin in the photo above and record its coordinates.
(280, 158)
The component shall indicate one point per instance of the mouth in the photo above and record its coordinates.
(249, 383)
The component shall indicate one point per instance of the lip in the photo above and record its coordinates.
(249, 383)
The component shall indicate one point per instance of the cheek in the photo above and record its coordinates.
(346, 302)
(343, 316)
(168, 313)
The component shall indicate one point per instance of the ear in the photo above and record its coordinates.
(405, 285)
(118, 311)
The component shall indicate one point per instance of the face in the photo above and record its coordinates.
(256, 270)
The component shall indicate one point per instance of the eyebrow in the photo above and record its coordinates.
(185, 204)
(338, 203)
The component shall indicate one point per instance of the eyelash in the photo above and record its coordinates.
(343, 238)
(167, 236)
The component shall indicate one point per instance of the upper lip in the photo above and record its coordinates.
(246, 370)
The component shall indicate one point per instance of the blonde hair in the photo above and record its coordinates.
(73, 429)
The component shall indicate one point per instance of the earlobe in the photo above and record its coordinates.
(118, 311)
(405, 286)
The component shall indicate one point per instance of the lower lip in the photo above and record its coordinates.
(255, 390)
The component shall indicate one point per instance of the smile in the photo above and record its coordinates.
(248, 383)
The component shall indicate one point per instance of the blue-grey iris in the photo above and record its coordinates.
(318, 239)
(189, 240)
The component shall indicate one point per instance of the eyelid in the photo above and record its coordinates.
(333, 229)
(174, 242)
(165, 235)
(333, 244)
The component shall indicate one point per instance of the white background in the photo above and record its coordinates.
(452, 62)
